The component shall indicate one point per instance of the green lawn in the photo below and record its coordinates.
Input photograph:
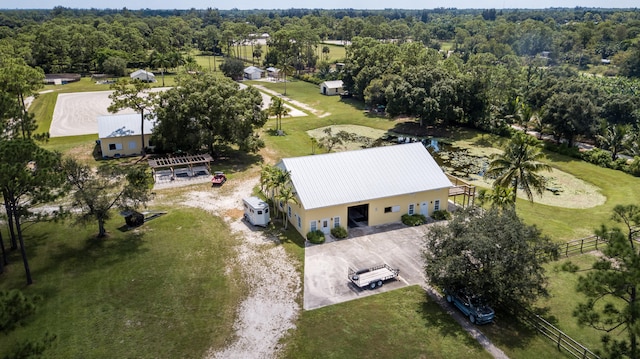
(402, 323)
(160, 291)
(92, 280)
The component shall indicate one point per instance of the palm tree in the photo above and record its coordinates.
(519, 165)
(325, 52)
(287, 70)
(274, 179)
(160, 61)
(614, 139)
(285, 196)
(278, 109)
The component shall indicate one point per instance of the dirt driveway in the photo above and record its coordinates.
(326, 265)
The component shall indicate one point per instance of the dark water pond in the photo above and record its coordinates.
(453, 160)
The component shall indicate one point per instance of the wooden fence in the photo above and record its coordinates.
(581, 246)
(558, 337)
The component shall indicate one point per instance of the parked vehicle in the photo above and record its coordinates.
(256, 211)
(218, 178)
(471, 306)
(372, 277)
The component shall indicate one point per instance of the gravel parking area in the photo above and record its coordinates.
(326, 265)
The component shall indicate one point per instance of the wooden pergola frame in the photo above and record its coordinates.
(173, 162)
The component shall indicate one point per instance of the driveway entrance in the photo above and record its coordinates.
(326, 265)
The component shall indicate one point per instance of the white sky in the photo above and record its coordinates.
(324, 4)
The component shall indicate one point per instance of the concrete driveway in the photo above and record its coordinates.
(326, 265)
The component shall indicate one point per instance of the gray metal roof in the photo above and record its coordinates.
(123, 125)
(353, 176)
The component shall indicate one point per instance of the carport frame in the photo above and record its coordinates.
(172, 162)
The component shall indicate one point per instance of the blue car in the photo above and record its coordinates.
(471, 306)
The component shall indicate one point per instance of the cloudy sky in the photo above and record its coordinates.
(325, 4)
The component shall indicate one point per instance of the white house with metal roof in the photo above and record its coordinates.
(253, 73)
(120, 134)
(143, 75)
(331, 87)
(367, 187)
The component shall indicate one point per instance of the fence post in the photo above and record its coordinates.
(581, 245)
(566, 252)
(559, 339)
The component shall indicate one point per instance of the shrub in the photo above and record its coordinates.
(441, 214)
(15, 307)
(598, 157)
(569, 267)
(339, 232)
(413, 219)
(315, 237)
(563, 149)
(310, 78)
(634, 167)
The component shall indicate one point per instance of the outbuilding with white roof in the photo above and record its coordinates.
(367, 187)
(331, 88)
(120, 134)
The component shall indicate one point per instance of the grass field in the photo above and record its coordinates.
(92, 280)
(160, 291)
(399, 324)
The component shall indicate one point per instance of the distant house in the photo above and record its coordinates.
(605, 62)
(330, 88)
(253, 73)
(120, 134)
(143, 75)
(273, 73)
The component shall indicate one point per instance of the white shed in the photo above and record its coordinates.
(256, 211)
(253, 73)
(330, 88)
(143, 75)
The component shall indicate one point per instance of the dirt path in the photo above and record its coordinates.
(270, 309)
(299, 104)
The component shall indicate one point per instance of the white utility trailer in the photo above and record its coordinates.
(256, 211)
(372, 277)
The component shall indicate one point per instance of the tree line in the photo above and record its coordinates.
(73, 40)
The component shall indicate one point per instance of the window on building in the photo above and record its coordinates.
(395, 209)
(313, 226)
(436, 205)
(132, 145)
(289, 211)
(387, 209)
(115, 146)
(411, 209)
(336, 222)
(299, 222)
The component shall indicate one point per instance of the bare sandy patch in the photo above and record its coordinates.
(270, 310)
(568, 190)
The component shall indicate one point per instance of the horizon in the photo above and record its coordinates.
(136, 5)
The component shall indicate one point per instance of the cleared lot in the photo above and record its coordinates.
(326, 265)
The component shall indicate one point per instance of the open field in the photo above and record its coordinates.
(160, 291)
(422, 322)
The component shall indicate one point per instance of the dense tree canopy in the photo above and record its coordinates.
(206, 112)
(490, 253)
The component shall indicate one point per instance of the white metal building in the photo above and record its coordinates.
(120, 134)
(143, 75)
(364, 188)
(331, 87)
